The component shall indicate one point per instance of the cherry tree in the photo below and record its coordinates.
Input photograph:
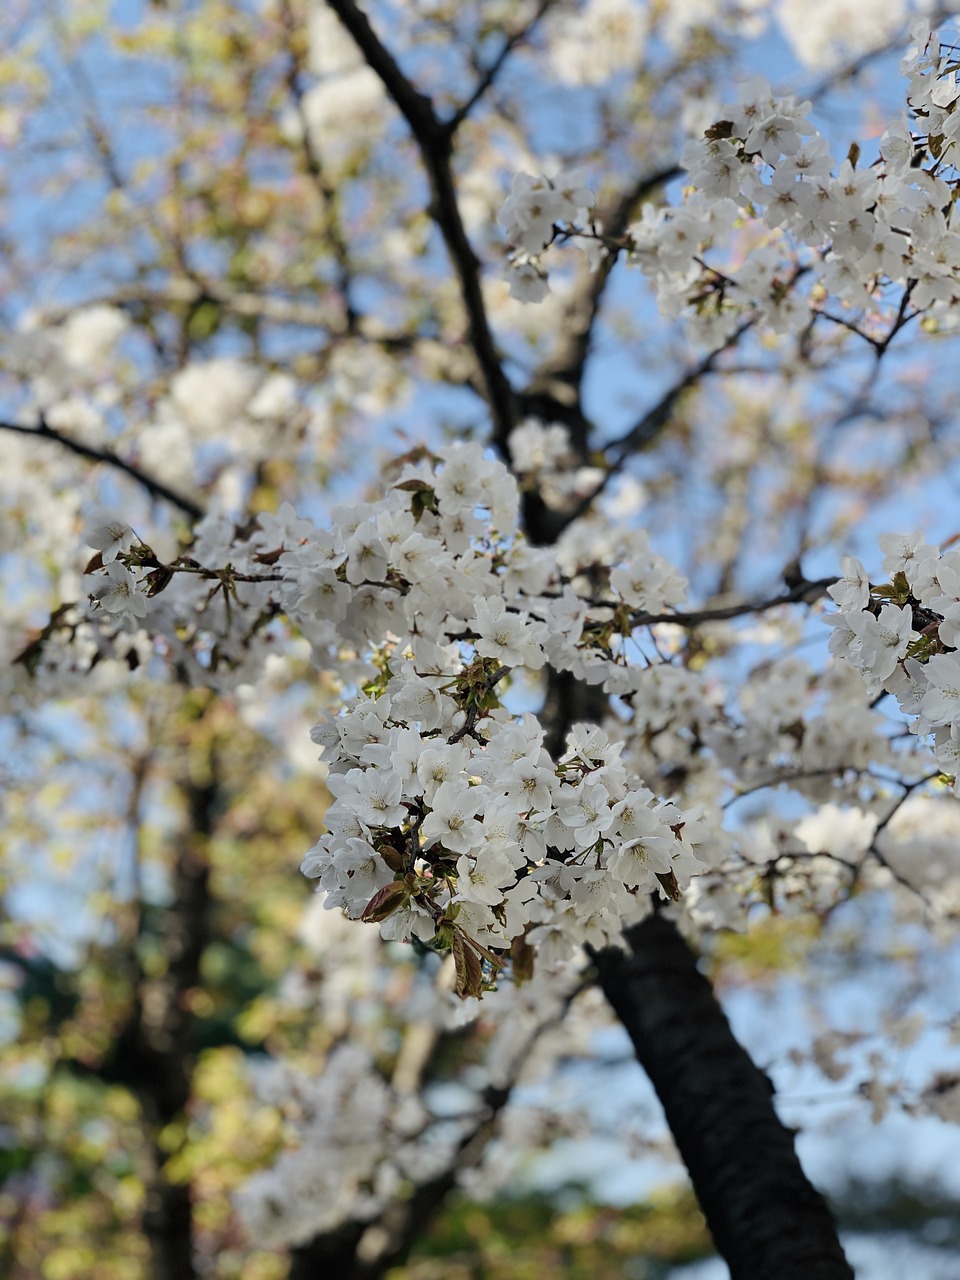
(567, 676)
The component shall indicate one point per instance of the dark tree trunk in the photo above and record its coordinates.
(158, 1043)
(767, 1221)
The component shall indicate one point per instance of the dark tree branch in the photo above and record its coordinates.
(803, 592)
(161, 1038)
(879, 345)
(156, 488)
(555, 392)
(767, 1220)
(545, 526)
(488, 77)
(436, 149)
(649, 427)
(404, 1221)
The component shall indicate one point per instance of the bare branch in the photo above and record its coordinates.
(803, 592)
(900, 321)
(435, 144)
(156, 488)
(653, 422)
(493, 70)
(554, 393)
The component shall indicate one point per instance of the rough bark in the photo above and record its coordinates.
(767, 1220)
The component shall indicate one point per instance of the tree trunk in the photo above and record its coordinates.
(767, 1221)
(159, 1048)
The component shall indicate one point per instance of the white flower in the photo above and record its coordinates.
(904, 553)
(574, 200)
(648, 582)
(897, 145)
(417, 558)
(529, 785)
(512, 638)
(530, 212)
(437, 765)
(367, 558)
(323, 595)
(535, 447)
(452, 821)
(584, 810)
(941, 699)
(110, 539)
(372, 795)
(115, 590)
(462, 481)
(481, 879)
(351, 873)
(853, 589)
(418, 699)
(528, 283)
(775, 136)
(89, 335)
(412, 920)
(883, 640)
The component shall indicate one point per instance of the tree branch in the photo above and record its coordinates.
(156, 488)
(335, 1253)
(435, 144)
(653, 422)
(493, 70)
(554, 395)
(803, 592)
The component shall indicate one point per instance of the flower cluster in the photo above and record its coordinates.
(350, 1109)
(902, 636)
(475, 842)
(537, 208)
(450, 821)
(389, 1132)
(544, 460)
(851, 234)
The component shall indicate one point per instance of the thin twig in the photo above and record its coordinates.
(493, 70)
(653, 422)
(804, 592)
